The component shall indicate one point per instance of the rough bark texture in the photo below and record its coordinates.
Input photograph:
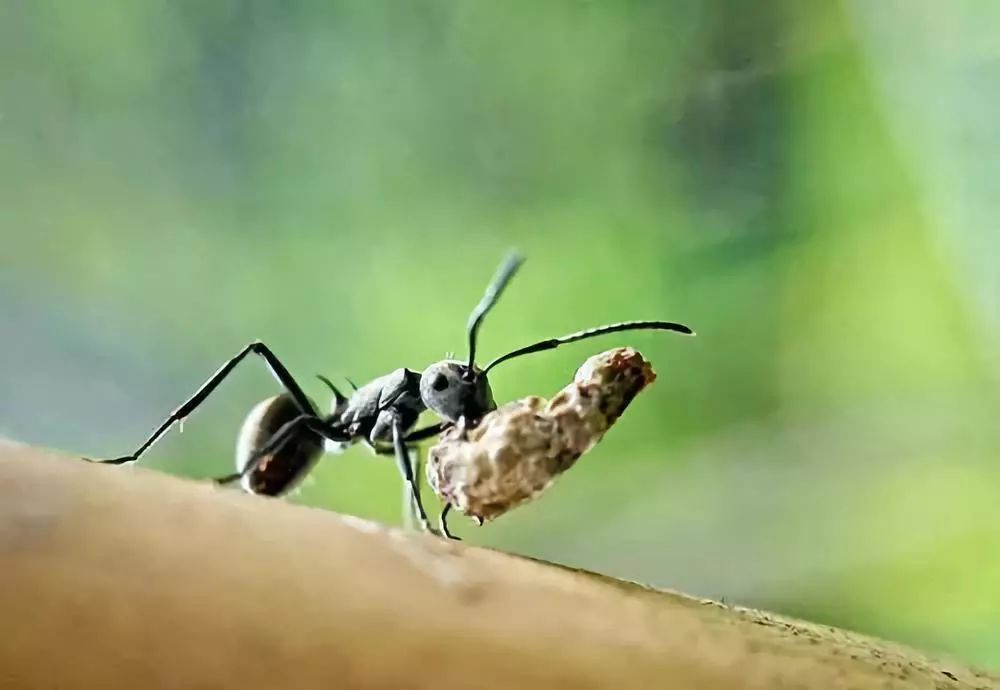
(117, 577)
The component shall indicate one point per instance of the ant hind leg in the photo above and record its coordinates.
(278, 370)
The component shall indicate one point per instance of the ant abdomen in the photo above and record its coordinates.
(281, 471)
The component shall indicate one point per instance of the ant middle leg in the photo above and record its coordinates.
(410, 438)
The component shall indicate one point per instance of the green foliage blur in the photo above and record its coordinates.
(811, 186)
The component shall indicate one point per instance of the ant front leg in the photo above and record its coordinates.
(411, 514)
(278, 370)
(443, 523)
(406, 469)
(410, 508)
(426, 432)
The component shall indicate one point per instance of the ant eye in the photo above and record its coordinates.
(440, 382)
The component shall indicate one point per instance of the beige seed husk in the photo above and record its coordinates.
(518, 450)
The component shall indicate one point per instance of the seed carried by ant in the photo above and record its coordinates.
(517, 451)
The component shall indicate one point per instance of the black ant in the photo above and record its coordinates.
(283, 437)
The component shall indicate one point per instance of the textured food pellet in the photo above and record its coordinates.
(518, 450)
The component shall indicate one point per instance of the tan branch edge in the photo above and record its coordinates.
(127, 578)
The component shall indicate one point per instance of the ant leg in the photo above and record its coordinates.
(417, 465)
(278, 370)
(410, 438)
(403, 460)
(427, 432)
(410, 509)
(419, 435)
(378, 449)
(410, 513)
(418, 474)
(280, 438)
(443, 522)
(407, 509)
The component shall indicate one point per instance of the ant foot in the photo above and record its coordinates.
(123, 460)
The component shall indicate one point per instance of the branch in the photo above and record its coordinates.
(126, 578)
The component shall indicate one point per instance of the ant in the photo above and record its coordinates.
(284, 436)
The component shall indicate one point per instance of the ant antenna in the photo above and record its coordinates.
(553, 343)
(503, 275)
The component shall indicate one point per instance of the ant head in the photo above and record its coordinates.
(451, 389)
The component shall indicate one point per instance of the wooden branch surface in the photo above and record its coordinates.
(118, 577)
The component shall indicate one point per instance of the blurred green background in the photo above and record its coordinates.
(812, 186)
